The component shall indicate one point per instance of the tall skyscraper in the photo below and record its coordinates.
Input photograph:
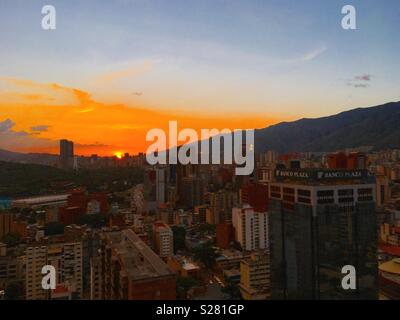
(66, 153)
(161, 184)
(221, 204)
(319, 222)
(192, 192)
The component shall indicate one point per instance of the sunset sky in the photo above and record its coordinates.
(112, 70)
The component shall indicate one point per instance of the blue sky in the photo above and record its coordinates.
(284, 58)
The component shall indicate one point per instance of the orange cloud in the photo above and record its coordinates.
(97, 127)
(113, 76)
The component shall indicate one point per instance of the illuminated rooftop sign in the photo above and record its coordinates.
(320, 174)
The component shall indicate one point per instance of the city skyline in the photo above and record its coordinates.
(203, 154)
(111, 72)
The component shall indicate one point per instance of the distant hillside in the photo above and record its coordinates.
(375, 126)
(38, 158)
(23, 180)
(17, 179)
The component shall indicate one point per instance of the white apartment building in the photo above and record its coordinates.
(251, 228)
(66, 258)
(36, 258)
(164, 239)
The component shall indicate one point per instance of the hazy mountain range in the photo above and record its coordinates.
(38, 158)
(377, 126)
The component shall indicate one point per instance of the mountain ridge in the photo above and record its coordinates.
(377, 126)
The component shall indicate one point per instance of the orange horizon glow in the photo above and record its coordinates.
(95, 127)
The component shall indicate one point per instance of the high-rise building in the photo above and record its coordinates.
(11, 266)
(251, 227)
(382, 190)
(221, 204)
(66, 153)
(36, 259)
(90, 245)
(66, 258)
(192, 191)
(319, 222)
(165, 213)
(350, 161)
(163, 239)
(224, 234)
(95, 278)
(161, 184)
(6, 223)
(200, 213)
(256, 195)
(255, 277)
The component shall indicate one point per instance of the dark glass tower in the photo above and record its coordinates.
(66, 153)
(316, 227)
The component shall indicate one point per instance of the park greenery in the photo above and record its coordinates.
(206, 254)
(183, 285)
(22, 180)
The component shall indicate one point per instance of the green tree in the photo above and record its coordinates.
(13, 290)
(232, 290)
(53, 228)
(206, 228)
(32, 218)
(206, 254)
(237, 246)
(179, 238)
(97, 220)
(11, 239)
(184, 284)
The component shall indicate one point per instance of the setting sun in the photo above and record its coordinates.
(118, 154)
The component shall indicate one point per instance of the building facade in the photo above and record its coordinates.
(320, 221)
(130, 270)
(251, 228)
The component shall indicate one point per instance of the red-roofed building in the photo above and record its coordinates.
(225, 234)
(70, 215)
(20, 227)
(256, 195)
(351, 161)
(391, 250)
(91, 204)
(225, 175)
(61, 292)
(102, 198)
(117, 220)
